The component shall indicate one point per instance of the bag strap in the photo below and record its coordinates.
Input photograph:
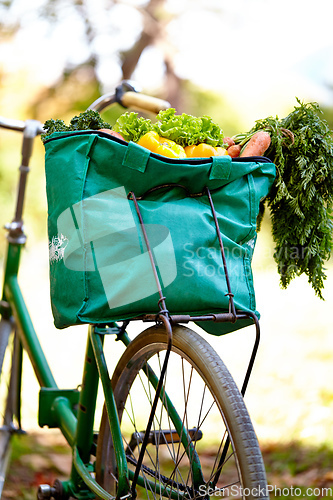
(136, 157)
(221, 167)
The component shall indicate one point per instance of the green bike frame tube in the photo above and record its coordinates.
(29, 339)
(87, 404)
(123, 484)
(17, 377)
(87, 479)
(95, 368)
(65, 418)
(30, 342)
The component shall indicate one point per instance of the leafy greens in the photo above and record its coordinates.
(183, 129)
(132, 126)
(301, 200)
(87, 120)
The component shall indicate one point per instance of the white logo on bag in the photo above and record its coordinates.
(57, 248)
(101, 235)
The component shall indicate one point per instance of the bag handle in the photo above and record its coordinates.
(221, 168)
(136, 157)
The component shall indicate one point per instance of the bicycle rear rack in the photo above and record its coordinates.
(164, 316)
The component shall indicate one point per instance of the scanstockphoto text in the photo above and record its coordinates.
(207, 261)
(237, 491)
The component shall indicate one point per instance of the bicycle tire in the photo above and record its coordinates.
(8, 345)
(243, 470)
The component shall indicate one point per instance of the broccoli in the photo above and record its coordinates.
(88, 120)
(51, 126)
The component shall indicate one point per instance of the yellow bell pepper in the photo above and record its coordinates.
(161, 145)
(203, 150)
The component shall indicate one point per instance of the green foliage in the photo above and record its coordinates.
(184, 129)
(301, 200)
(187, 130)
(51, 126)
(88, 120)
(132, 126)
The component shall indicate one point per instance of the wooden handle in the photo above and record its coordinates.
(143, 102)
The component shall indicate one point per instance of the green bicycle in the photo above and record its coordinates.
(174, 423)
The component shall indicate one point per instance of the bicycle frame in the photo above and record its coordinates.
(73, 411)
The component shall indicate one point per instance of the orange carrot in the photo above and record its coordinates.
(234, 150)
(257, 145)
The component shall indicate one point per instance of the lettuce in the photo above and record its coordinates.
(187, 130)
(132, 127)
(183, 129)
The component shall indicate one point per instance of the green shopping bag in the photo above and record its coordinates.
(100, 269)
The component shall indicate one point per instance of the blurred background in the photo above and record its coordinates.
(238, 62)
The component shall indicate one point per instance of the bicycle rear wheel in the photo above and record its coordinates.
(9, 359)
(187, 455)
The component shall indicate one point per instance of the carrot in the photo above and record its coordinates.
(234, 150)
(228, 141)
(257, 145)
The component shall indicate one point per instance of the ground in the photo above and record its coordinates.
(293, 470)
